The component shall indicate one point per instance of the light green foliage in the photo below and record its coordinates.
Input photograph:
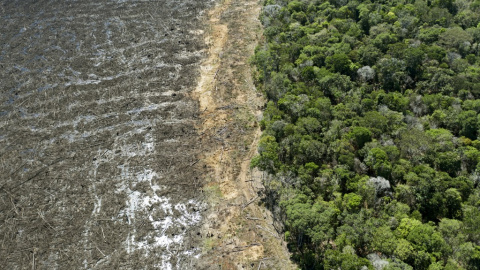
(425, 238)
(268, 156)
(404, 250)
(414, 144)
(455, 38)
(398, 265)
(384, 240)
(406, 226)
(430, 34)
(451, 230)
(345, 260)
(436, 266)
(442, 139)
(352, 201)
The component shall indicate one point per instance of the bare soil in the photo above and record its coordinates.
(238, 233)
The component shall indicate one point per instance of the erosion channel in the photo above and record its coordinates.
(126, 129)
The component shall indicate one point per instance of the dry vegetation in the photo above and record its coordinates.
(98, 143)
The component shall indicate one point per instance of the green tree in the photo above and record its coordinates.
(392, 73)
(384, 241)
(451, 231)
(413, 144)
(267, 159)
(468, 256)
(453, 203)
(377, 160)
(454, 38)
(369, 55)
(414, 58)
(405, 251)
(376, 122)
(309, 226)
(370, 132)
(471, 220)
(360, 136)
(470, 157)
(339, 63)
(430, 34)
(345, 261)
(448, 162)
(468, 123)
(425, 238)
(352, 201)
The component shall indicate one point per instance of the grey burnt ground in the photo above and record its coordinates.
(98, 142)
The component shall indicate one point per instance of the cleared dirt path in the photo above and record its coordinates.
(237, 232)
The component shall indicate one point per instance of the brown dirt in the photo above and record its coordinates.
(238, 233)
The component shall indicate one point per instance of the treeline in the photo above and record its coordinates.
(371, 131)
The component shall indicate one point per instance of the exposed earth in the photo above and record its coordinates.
(238, 232)
(126, 130)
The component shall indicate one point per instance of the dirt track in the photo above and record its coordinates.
(238, 233)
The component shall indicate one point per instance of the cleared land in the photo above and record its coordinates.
(126, 132)
(98, 140)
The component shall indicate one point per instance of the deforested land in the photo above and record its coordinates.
(98, 134)
(126, 133)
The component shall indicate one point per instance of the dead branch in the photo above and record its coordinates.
(251, 201)
(242, 248)
(270, 232)
(36, 174)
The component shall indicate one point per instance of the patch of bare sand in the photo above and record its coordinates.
(238, 233)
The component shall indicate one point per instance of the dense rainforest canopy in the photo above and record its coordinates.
(371, 131)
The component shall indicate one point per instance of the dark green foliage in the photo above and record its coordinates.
(360, 136)
(339, 63)
(371, 131)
